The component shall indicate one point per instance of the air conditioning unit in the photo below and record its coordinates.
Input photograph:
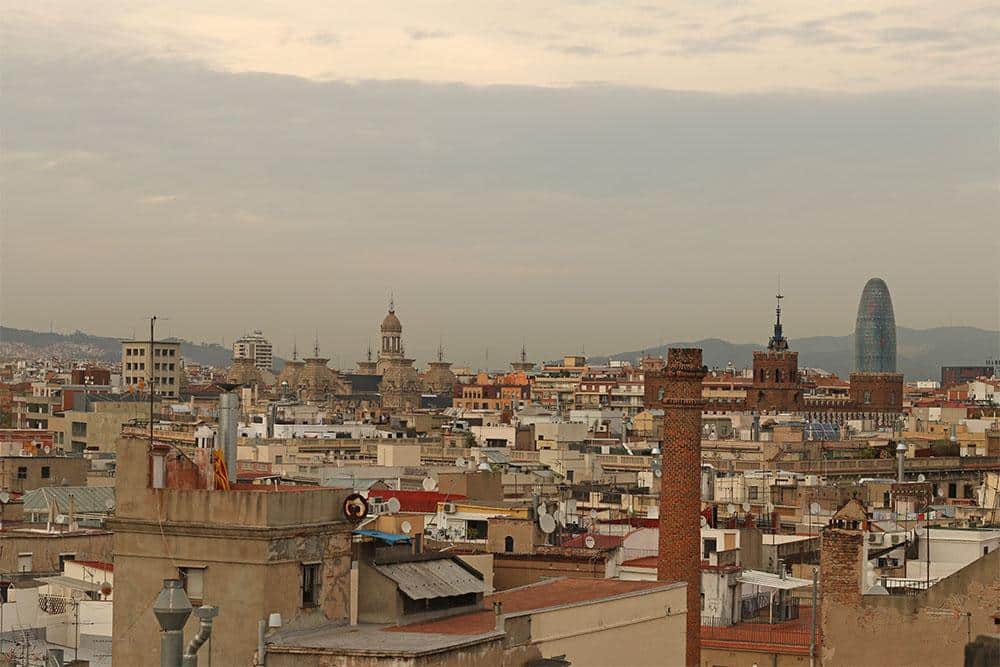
(875, 538)
(449, 508)
(896, 539)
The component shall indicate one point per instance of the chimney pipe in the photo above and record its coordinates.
(498, 610)
(172, 609)
(228, 420)
(205, 615)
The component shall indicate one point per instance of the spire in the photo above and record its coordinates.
(369, 349)
(295, 349)
(440, 350)
(778, 342)
(524, 354)
(316, 345)
(392, 303)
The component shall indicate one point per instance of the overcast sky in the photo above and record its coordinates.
(597, 175)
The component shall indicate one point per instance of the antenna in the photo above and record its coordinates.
(316, 344)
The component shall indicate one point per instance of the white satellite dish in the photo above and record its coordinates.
(61, 518)
(4, 497)
(658, 472)
(460, 462)
(547, 523)
(746, 507)
(704, 522)
(393, 505)
(593, 514)
(561, 518)
(429, 484)
(814, 508)
(542, 509)
(484, 466)
(406, 527)
(731, 508)
(590, 541)
(921, 477)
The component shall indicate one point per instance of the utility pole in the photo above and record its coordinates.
(149, 361)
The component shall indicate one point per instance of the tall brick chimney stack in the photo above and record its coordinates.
(677, 391)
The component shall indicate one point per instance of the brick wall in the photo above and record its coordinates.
(877, 392)
(776, 383)
(677, 391)
(840, 566)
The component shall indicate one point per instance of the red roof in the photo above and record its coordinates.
(550, 593)
(415, 501)
(600, 541)
(645, 561)
(96, 564)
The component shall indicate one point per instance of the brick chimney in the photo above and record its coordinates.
(677, 391)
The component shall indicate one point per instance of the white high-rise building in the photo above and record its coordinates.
(254, 346)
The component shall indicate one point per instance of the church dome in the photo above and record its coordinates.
(391, 323)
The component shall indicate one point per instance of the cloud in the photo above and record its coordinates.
(576, 50)
(157, 199)
(421, 35)
(323, 38)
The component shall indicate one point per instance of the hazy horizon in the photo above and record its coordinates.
(579, 175)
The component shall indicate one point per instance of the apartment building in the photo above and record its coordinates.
(158, 364)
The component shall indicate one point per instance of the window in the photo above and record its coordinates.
(22, 472)
(508, 544)
(710, 547)
(752, 492)
(63, 558)
(310, 584)
(46, 472)
(24, 563)
(868, 397)
(476, 530)
(193, 581)
(279, 459)
(79, 429)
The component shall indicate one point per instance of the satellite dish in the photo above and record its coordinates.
(105, 589)
(657, 472)
(561, 518)
(704, 522)
(547, 523)
(590, 541)
(4, 497)
(731, 508)
(814, 508)
(484, 466)
(921, 477)
(746, 507)
(406, 527)
(394, 505)
(460, 462)
(429, 484)
(542, 509)
(61, 518)
(593, 514)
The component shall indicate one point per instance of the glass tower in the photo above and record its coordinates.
(875, 331)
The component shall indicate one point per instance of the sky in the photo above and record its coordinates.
(571, 176)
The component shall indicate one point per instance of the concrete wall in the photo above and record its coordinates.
(926, 629)
(635, 630)
(45, 548)
(477, 655)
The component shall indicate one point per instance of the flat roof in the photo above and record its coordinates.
(547, 594)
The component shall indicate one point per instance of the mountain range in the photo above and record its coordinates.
(920, 352)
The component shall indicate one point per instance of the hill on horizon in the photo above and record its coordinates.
(27, 343)
(920, 353)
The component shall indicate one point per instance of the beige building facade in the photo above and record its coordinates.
(157, 364)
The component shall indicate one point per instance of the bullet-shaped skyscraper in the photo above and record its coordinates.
(875, 331)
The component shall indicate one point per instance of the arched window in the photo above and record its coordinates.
(777, 375)
(763, 375)
(508, 544)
